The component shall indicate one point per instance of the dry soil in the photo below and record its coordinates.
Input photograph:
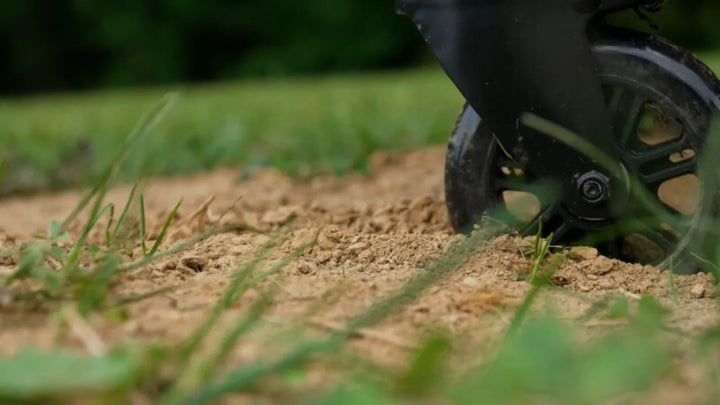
(371, 234)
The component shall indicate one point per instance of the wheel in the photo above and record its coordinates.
(662, 101)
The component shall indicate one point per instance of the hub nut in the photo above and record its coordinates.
(594, 187)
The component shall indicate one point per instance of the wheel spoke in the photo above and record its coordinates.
(504, 161)
(672, 212)
(644, 221)
(508, 184)
(669, 171)
(563, 230)
(655, 235)
(520, 184)
(552, 222)
(660, 151)
(615, 99)
(513, 183)
(510, 176)
(648, 206)
(667, 216)
(631, 119)
(501, 185)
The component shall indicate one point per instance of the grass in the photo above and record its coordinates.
(302, 126)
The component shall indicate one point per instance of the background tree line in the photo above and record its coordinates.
(76, 44)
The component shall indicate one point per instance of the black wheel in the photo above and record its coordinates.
(662, 102)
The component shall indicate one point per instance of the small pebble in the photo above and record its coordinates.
(366, 256)
(600, 267)
(358, 246)
(470, 282)
(583, 253)
(698, 291)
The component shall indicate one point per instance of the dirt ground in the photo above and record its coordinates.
(371, 234)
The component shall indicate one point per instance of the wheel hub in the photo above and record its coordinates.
(594, 187)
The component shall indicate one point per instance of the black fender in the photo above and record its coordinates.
(675, 75)
(508, 57)
(511, 57)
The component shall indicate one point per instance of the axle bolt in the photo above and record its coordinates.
(593, 190)
(594, 187)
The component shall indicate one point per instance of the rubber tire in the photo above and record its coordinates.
(637, 59)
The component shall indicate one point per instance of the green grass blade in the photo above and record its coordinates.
(714, 267)
(230, 295)
(143, 127)
(123, 215)
(538, 239)
(245, 325)
(130, 299)
(540, 257)
(586, 148)
(184, 245)
(242, 326)
(671, 275)
(522, 312)
(450, 261)
(164, 229)
(245, 377)
(200, 333)
(111, 217)
(447, 263)
(571, 139)
(74, 255)
(263, 276)
(142, 225)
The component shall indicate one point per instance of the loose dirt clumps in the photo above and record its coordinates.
(602, 275)
(357, 239)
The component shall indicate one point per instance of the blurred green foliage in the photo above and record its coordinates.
(85, 43)
(305, 126)
(689, 23)
(70, 44)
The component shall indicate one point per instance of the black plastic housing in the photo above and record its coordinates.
(510, 57)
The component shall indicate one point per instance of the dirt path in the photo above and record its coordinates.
(372, 235)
